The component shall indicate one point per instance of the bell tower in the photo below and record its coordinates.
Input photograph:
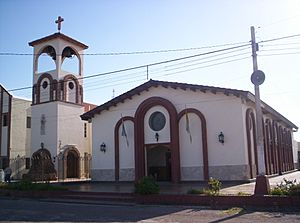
(57, 84)
(57, 98)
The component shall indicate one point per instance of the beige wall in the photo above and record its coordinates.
(20, 134)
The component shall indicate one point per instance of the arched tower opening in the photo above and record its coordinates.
(45, 60)
(70, 60)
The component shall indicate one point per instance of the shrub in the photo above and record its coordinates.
(147, 185)
(214, 186)
(287, 188)
(295, 190)
(278, 191)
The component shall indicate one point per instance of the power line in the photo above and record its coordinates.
(169, 61)
(133, 52)
(279, 54)
(147, 65)
(280, 38)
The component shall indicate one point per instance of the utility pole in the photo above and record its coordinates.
(259, 127)
(262, 184)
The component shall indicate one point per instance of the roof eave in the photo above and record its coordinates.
(57, 35)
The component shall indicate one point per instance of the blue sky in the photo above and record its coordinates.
(130, 26)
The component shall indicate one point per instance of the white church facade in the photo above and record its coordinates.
(184, 132)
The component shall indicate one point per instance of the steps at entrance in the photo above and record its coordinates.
(98, 197)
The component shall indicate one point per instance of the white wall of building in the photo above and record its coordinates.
(50, 139)
(126, 152)
(296, 150)
(70, 130)
(164, 134)
(222, 113)
(20, 134)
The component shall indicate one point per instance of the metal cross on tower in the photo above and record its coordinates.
(59, 21)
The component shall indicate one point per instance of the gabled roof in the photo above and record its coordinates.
(193, 87)
(58, 35)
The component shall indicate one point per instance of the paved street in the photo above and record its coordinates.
(18, 210)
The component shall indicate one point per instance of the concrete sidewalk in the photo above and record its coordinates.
(248, 188)
(181, 188)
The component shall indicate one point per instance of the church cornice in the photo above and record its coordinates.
(183, 86)
(57, 36)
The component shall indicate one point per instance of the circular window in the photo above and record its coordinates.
(71, 85)
(157, 121)
(45, 84)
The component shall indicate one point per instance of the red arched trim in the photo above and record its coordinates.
(275, 144)
(284, 155)
(77, 87)
(140, 139)
(250, 120)
(117, 148)
(34, 92)
(203, 137)
(291, 160)
(266, 145)
(38, 87)
(270, 146)
(279, 148)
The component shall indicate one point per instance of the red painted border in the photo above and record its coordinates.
(117, 147)
(203, 137)
(139, 136)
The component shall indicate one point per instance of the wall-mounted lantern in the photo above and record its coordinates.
(221, 137)
(103, 147)
(156, 137)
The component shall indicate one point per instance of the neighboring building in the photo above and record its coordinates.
(20, 136)
(20, 128)
(15, 134)
(184, 132)
(60, 146)
(5, 126)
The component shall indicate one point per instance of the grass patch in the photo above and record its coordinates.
(243, 194)
(234, 210)
(213, 188)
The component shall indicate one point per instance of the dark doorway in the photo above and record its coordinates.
(72, 165)
(159, 162)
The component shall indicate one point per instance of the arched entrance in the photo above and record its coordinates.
(158, 162)
(42, 167)
(139, 137)
(72, 163)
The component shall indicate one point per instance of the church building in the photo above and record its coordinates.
(184, 132)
